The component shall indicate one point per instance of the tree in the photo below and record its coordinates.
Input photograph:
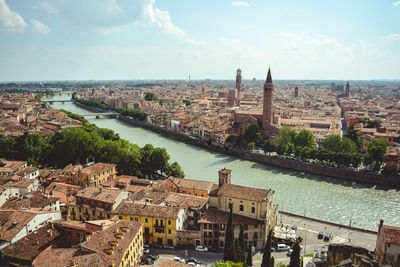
(266, 260)
(332, 143)
(376, 152)
(175, 170)
(290, 149)
(237, 250)
(229, 240)
(348, 146)
(150, 97)
(286, 135)
(268, 146)
(295, 256)
(354, 136)
(281, 149)
(252, 133)
(305, 138)
(249, 259)
(242, 245)
(187, 102)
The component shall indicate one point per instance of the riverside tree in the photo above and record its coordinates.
(295, 256)
(266, 260)
(252, 134)
(229, 249)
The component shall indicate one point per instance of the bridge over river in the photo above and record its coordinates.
(301, 193)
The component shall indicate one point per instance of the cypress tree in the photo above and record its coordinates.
(266, 261)
(229, 240)
(237, 251)
(295, 256)
(242, 245)
(272, 261)
(249, 260)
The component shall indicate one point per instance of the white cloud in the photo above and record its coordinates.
(39, 27)
(396, 3)
(10, 21)
(46, 6)
(240, 3)
(105, 16)
(393, 36)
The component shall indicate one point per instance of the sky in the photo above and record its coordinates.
(207, 39)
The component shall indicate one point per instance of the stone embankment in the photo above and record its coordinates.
(314, 168)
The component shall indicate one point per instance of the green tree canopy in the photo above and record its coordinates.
(229, 248)
(376, 153)
(286, 135)
(268, 146)
(339, 144)
(266, 259)
(252, 133)
(305, 138)
(150, 96)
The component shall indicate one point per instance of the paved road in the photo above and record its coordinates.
(307, 229)
(310, 229)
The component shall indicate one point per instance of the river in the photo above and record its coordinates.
(301, 193)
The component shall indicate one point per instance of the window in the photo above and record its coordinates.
(221, 244)
(241, 207)
(146, 220)
(78, 235)
(169, 222)
(246, 236)
(256, 225)
(253, 210)
(131, 218)
(169, 231)
(255, 236)
(120, 217)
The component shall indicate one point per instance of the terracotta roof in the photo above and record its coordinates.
(24, 183)
(65, 256)
(97, 168)
(146, 209)
(192, 184)
(34, 243)
(391, 234)
(243, 192)
(12, 222)
(27, 171)
(215, 216)
(99, 241)
(12, 166)
(71, 224)
(99, 194)
(31, 200)
(72, 168)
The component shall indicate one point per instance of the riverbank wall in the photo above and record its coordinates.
(352, 228)
(296, 165)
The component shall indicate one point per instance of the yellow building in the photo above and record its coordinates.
(93, 203)
(160, 223)
(95, 175)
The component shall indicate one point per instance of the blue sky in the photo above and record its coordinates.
(170, 39)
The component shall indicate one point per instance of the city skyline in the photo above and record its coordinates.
(148, 39)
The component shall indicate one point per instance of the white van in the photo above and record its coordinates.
(282, 247)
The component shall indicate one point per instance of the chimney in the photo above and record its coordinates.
(380, 226)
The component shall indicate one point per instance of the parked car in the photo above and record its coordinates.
(168, 246)
(179, 259)
(327, 237)
(191, 259)
(193, 264)
(272, 249)
(321, 235)
(153, 257)
(294, 227)
(282, 247)
(146, 251)
(148, 261)
(202, 248)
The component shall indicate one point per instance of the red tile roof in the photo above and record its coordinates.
(391, 234)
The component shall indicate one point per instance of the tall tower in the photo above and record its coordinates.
(202, 90)
(296, 92)
(268, 105)
(238, 84)
(347, 90)
(224, 176)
